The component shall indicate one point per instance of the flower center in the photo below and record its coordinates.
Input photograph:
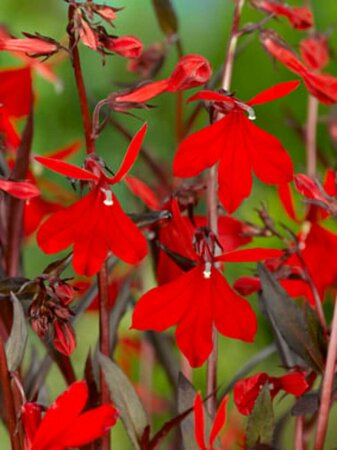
(108, 201)
(208, 270)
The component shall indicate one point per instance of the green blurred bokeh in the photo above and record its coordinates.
(203, 27)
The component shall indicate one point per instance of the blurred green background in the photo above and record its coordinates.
(203, 27)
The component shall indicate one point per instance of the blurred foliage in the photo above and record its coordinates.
(204, 27)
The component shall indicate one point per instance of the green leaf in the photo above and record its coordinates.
(291, 321)
(166, 16)
(125, 399)
(16, 342)
(260, 425)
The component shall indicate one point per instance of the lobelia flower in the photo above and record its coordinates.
(32, 46)
(199, 299)
(190, 71)
(246, 391)
(316, 244)
(300, 18)
(96, 223)
(239, 146)
(199, 423)
(323, 86)
(64, 425)
(126, 46)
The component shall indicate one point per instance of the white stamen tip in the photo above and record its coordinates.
(208, 270)
(108, 197)
(251, 114)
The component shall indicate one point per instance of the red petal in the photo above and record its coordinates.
(90, 426)
(249, 255)
(211, 96)
(233, 315)
(270, 162)
(64, 168)
(19, 189)
(247, 390)
(307, 187)
(274, 92)
(190, 71)
(122, 236)
(330, 182)
(16, 91)
(219, 421)
(294, 383)
(235, 177)
(199, 422)
(131, 155)
(142, 190)
(194, 332)
(145, 92)
(200, 150)
(287, 200)
(60, 416)
(247, 285)
(164, 306)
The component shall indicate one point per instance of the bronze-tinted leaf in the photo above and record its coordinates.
(125, 399)
(290, 320)
(166, 16)
(16, 342)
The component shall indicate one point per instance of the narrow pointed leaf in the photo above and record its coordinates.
(166, 16)
(16, 343)
(260, 425)
(125, 399)
(290, 320)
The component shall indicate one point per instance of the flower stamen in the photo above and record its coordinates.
(108, 201)
(208, 270)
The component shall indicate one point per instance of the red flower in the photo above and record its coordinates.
(64, 425)
(300, 18)
(240, 146)
(96, 223)
(246, 391)
(199, 423)
(16, 91)
(320, 85)
(190, 71)
(199, 299)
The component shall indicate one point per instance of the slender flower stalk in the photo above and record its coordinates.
(102, 277)
(212, 202)
(311, 135)
(328, 378)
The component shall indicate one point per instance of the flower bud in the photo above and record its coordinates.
(64, 337)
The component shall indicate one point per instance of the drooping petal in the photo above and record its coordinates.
(123, 237)
(163, 307)
(294, 383)
(199, 422)
(249, 255)
(235, 177)
(59, 417)
(199, 151)
(67, 151)
(190, 71)
(315, 51)
(287, 200)
(211, 96)
(59, 231)
(323, 86)
(307, 187)
(270, 162)
(233, 315)
(131, 155)
(145, 92)
(247, 285)
(64, 168)
(246, 392)
(89, 426)
(219, 421)
(273, 93)
(16, 91)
